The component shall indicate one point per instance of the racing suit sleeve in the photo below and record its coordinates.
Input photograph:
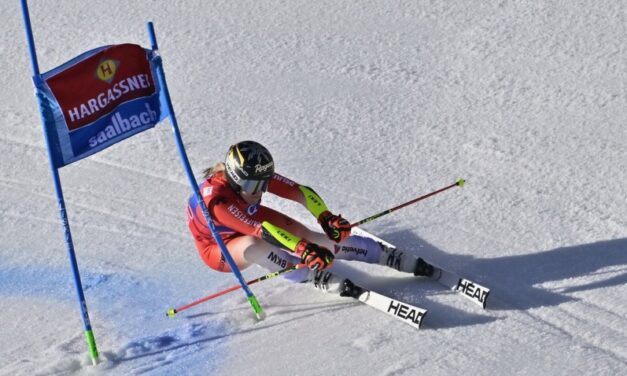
(286, 188)
(230, 215)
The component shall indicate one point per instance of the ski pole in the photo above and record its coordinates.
(459, 183)
(173, 311)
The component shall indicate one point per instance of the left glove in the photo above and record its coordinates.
(314, 256)
(336, 227)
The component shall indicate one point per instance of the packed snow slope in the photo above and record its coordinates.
(371, 103)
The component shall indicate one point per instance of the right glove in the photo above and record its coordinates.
(313, 255)
(336, 227)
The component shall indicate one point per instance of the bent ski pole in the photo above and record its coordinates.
(173, 311)
(459, 183)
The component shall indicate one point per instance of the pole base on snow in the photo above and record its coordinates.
(173, 311)
(256, 307)
(91, 343)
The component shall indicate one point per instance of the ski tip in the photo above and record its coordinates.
(485, 300)
(422, 319)
(460, 182)
(171, 312)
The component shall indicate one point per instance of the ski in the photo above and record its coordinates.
(470, 290)
(406, 313)
(476, 293)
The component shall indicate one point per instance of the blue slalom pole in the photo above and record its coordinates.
(89, 335)
(192, 181)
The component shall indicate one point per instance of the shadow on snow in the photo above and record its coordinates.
(515, 281)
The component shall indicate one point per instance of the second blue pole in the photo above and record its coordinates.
(192, 181)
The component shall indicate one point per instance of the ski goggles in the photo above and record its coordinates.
(253, 187)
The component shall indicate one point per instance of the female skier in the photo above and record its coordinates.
(253, 233)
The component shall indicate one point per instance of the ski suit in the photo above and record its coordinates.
(240, 227)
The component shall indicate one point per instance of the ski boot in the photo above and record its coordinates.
(391, 257)
(325, 281)
(349, 289)
(334, 284)
(423, 268)
(395, 259)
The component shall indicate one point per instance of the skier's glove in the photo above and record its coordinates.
(336, 227)
(313, 255)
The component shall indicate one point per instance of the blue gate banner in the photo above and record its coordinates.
(98, 99)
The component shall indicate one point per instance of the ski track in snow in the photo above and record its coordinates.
(370, 104)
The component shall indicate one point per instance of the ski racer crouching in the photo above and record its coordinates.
(253, 233)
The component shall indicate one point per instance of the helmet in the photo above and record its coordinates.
(249, 167)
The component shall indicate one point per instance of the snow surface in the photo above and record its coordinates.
(372, 104)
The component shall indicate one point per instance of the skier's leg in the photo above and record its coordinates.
(247, 250)
(364, 249)
(211, 254)
(274, 259)
(354, 248)
(270, 257)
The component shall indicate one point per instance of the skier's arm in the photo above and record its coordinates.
(336, 227)
(228, 214)
(312, 255)
(289, 189)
